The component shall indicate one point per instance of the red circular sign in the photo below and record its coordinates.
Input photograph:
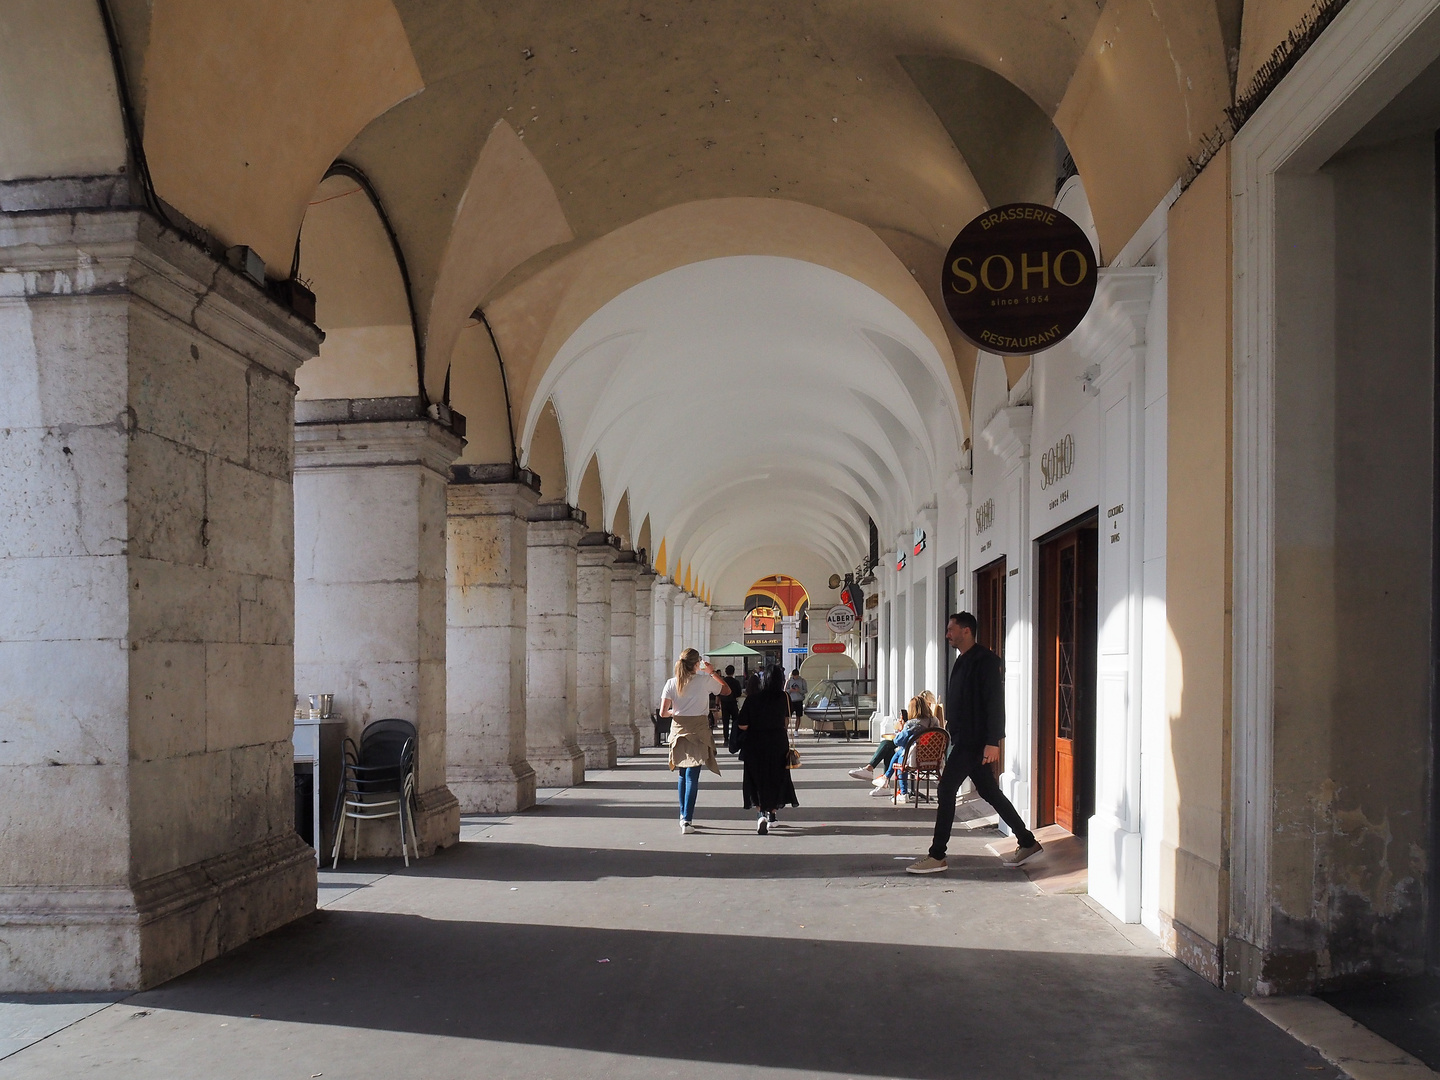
(1019, 278)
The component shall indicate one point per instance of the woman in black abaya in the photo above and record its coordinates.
(764, 719)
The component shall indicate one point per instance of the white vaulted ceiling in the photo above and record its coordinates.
(755, 401)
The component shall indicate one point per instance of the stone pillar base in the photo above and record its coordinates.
(502, 789)
(437, 825)
(68, 939)
(599, 748)
(557, 768)
(627, 738)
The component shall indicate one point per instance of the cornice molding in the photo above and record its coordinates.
(1008, 433)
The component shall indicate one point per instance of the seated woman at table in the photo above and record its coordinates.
(883, 753)
(921, 719)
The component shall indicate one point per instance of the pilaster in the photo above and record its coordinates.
(489, 509)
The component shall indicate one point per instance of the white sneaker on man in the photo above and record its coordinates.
(866, 773)
(881, 792)
(881, 781)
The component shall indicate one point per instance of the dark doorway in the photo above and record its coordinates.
(1068, 563)
(950, 604)
(990, 606)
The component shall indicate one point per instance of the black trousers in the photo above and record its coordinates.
(965, 763)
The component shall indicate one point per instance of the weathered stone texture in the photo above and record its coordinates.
(486, 646)
(622, 654)
(370, 589)
(592, 651)
(145, 793)
(645, 688)
(551, 709)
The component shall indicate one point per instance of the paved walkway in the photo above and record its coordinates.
(588, 938)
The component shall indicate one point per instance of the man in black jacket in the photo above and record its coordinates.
(728, 710)
(975, 716)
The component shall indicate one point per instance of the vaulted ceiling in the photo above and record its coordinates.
(539, 175)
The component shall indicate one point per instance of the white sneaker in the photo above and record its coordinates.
(881, 793)
(763, 825)
(862, 774)
(686, 827)
(881, 781)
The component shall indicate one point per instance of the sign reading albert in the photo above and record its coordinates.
(1019, 278)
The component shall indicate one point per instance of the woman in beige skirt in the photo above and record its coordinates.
(686, 700)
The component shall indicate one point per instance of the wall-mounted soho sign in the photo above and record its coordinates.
(1019, 279)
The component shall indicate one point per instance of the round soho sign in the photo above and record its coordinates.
(1019, 278)
(840, 619)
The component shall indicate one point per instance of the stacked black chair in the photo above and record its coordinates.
(378, 782)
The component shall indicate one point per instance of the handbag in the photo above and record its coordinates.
(792, 757)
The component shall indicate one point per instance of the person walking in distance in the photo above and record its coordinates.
(686, 700)
(729, 703)
(796, 688)
(975, 711)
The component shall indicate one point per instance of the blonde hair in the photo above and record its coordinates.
(685, 668)
(920, 709)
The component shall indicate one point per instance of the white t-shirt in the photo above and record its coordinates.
(695, 701)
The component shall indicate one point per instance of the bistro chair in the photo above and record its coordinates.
(378, 782)
(924, 762)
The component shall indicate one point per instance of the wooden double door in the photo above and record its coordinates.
(990, 606)
(1068, 564)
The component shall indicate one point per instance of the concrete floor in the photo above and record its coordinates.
(588, 938)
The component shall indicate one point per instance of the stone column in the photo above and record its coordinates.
(622, 654)
(485, 645)
(789, 639)
(551, 709)
(692, 620)
(646, 690)
(147, 817)
(663, 635)
(370, 583)
(592, 650)
(679, 624)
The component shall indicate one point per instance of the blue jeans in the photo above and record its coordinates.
(689, 785)
(897, 757)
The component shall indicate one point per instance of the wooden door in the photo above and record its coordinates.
(1067, 677)
(990, 606)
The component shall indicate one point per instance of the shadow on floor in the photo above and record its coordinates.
(879, 811)
(500, 861)
(1404, 1011)
(758, 1001)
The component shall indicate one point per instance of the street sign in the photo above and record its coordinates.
(800, 651)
